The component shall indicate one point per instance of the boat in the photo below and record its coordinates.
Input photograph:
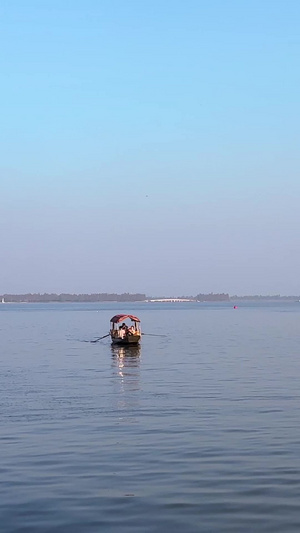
(123, 333)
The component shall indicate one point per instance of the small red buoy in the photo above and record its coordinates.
(235, 307)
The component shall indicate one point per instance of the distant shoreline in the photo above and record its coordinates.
(139, 298)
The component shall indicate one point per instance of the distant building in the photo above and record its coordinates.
(171, 300)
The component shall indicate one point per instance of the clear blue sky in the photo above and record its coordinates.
(150, 146)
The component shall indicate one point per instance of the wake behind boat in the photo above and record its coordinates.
(123, 334)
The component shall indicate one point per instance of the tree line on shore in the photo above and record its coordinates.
(65, 297)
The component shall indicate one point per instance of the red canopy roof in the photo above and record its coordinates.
(119, 318)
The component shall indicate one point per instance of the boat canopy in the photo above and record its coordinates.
(119, 318)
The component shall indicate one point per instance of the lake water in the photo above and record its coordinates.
(198, 431)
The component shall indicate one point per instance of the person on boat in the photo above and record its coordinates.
(123, 330)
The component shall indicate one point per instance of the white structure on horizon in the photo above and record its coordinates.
(171, 300)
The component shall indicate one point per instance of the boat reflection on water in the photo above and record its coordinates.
(126, 360)
(129, 353)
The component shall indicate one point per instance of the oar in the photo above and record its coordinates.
(99, 338)
(154, 335)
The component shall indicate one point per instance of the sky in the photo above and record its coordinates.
(150, 146)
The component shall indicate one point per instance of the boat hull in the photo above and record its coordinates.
(128, 339)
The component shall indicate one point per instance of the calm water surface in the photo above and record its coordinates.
(198, 431)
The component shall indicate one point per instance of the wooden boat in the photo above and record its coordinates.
(124, 334)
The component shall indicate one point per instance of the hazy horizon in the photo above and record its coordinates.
(150, 147)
